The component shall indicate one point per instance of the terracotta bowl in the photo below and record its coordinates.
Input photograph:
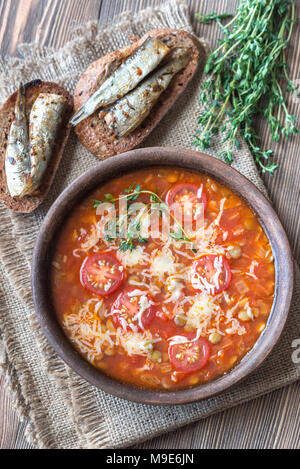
(130, 161)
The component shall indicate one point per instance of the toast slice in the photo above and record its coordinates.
(32, 90)
(93, 132)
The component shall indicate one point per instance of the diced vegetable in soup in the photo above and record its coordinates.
(163, 278)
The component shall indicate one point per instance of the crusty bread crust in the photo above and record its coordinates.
(33, 89)
(93, 132)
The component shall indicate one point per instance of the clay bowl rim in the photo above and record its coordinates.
(151, 157)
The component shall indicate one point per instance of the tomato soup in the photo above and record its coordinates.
(167, 308)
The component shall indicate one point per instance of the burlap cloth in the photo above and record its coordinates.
(62, 410)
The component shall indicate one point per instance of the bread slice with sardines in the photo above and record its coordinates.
(121, 97)
(34, 128)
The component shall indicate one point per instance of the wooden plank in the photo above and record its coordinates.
(268, 422)
(47, 22)
(271, 421)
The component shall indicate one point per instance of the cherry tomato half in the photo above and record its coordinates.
(184, 194)
(211, 274)
(102, 274)
(127, 308)
(189, 356)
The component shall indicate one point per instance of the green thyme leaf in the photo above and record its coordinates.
(97, 203)
(206, 19)
(179, 236)
(127, 245)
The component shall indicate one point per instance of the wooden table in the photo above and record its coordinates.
(273, 420)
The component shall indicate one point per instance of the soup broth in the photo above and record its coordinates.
(171, 309)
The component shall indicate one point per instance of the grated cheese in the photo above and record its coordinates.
(203, 313)
(162, 264)
(251, 270)
(92, 238)
(133, 258)
(175, 287)
(201, 283)
(218, 219)
(136, 343)
(144, 304)
(85, 330)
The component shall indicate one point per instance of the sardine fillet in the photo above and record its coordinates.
(44, 122)
(17, 159)
(130, 73)
(128, 113)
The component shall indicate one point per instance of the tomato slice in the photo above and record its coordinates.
(189, 356)
(186, 194)
(133, 312)
(102, 274)
(211, 274)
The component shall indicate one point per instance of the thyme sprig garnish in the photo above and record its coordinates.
(247, 70)
(133, 235)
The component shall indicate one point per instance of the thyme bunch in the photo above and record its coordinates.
(247, 70)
